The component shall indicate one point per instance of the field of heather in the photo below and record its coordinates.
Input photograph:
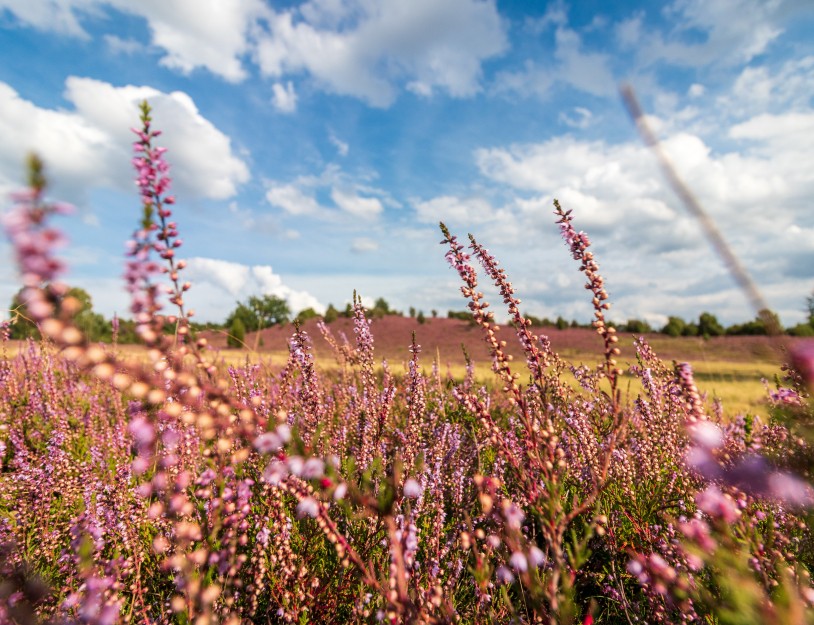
(729, 368)
(570, 477)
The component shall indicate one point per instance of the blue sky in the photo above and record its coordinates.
(315, 146)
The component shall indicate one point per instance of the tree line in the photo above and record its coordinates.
(261, 312)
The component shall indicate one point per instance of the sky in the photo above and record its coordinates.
(314, 146)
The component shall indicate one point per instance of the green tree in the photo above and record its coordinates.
(93, 325)
(675, 326)
(766, 322)
(22, 327)
(305, 315)
(237, 333)
(382, 305)
(382, 309)
(248, 318)
(637, 326)
(708, 325)
(331, 314)
(260, 312)
(270, 310)
(421, 318)
(801, 329)
(464, 315)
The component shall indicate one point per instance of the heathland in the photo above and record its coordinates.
(551, 476)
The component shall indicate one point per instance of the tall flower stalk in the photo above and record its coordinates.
(156, 233)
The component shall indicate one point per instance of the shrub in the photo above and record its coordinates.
(237, 333)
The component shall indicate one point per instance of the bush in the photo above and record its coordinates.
(237, 334)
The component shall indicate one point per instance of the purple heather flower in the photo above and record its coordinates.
(284, 432)
(802, 357)
(706, 434)
(786, 396)
(536, 556)
(790, 490)
(504, 575)
(412, 489)
(514, 516)
(275, 472)
(307, 507)
(340, 491)
(267, 442)
(142, 431)
(519, 562)
(717, 505)
(295, 465)
(313, 469)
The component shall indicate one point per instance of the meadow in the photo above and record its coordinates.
(355, 474)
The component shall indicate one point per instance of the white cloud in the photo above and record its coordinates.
(759, 88)
(292, 200)
(51, 15)
(213, 34)
(652, 252)
(778, 131)
(363, 245)
(734, 31)
(362, 49)
(364, 207)
(90, 146)
(571, 64)
(696, 90)
(455, 211)
(342, 148)
(352, 195)
(588, 72)
(284, 97)
(581, 118)
(218, 284)
(358, 48)
(128, 47)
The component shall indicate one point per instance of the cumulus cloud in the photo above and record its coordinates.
(455, 211)
(51, 15)
(220, 283)
(735, 31)
(364, 207)
(355, 48)
(762, 87)
(284, 97)
(214, 36)
(572, 65)
(352, 196)
(758, 191)
(292, 199)
(90, 146)
(128, 47)
(364, 49)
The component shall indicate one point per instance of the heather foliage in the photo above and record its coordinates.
(185, 491)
